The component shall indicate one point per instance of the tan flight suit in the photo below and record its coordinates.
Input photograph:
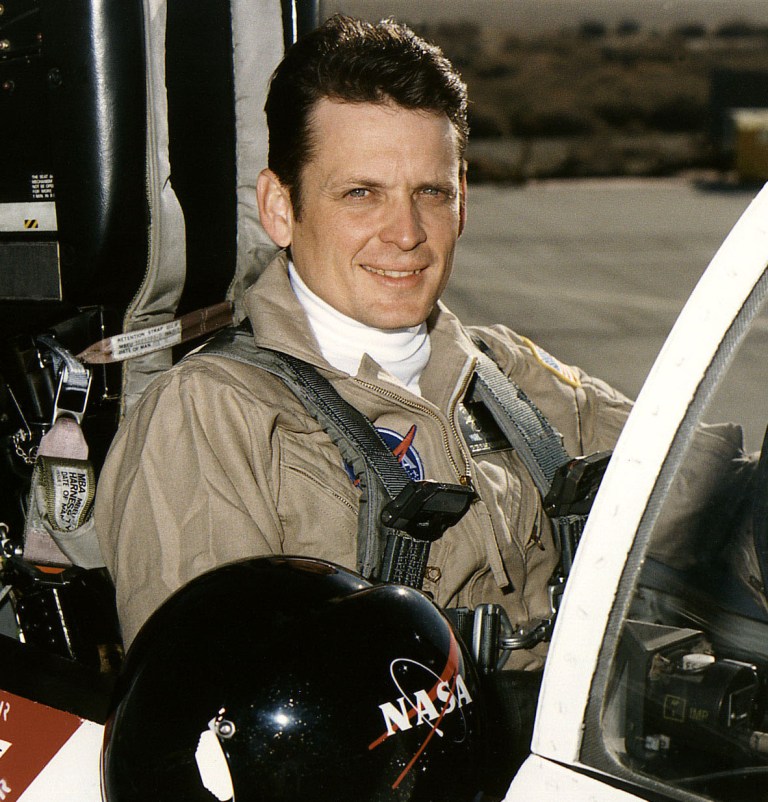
(219, 461)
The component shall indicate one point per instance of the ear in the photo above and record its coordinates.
(463, 200)
(275, 209)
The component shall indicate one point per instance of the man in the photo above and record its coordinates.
(366, 194)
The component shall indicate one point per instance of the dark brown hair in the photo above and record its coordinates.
(355, 62)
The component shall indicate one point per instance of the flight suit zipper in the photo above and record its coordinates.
(464, 474)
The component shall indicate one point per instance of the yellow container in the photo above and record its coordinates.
(751, 144)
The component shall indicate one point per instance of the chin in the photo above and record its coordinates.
(389, 318)
(392, 322)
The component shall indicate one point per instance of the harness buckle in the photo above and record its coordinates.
(575, 485)
(425, 509)
(492, 638)
(71, 396)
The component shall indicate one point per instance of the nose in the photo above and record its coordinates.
(403, 225)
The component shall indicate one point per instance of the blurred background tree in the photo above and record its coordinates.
(598, 100)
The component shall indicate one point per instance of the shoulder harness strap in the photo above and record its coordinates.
(567, 485)
(538, 444)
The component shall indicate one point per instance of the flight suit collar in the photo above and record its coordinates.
(279, 323)
(277, 318)
(452, 358)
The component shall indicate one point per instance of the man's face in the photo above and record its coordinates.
(381, 209)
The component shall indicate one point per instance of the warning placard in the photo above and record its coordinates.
(28, 217)
(30, 735)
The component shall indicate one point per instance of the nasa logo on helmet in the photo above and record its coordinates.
(294, 679)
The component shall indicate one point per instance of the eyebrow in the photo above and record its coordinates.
(446, 186)
(357, 182)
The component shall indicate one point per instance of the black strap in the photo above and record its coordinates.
(405, 558)
(347, 422)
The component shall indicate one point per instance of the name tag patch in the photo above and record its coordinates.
(481, 432)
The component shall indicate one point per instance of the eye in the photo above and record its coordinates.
(439, 193)
(358, 192)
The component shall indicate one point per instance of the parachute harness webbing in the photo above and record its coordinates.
(349, 422)
(381, 476)
(536, 442)
(405, 557)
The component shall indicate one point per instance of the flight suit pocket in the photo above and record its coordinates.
(317, 502)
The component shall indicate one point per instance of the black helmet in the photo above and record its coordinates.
(293, 679)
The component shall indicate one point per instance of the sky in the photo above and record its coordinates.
(538, 15)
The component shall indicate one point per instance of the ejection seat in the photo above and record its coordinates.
(132, 136)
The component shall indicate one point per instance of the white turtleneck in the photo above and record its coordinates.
(343, 341)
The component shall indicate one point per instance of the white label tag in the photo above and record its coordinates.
(145, 341)
(31, 217)
(72, 493)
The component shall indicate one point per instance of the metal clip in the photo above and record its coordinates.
(71, 396)
(494, 638)
(555, 591)
(8, 548)
(74, 381)
(528, 635)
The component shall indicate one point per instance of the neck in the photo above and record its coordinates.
(344, 341)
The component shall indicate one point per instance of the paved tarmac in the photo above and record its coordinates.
(596, 272)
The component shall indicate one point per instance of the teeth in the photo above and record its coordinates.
(392, 273)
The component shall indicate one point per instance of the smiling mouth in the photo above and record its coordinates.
(392, 273)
